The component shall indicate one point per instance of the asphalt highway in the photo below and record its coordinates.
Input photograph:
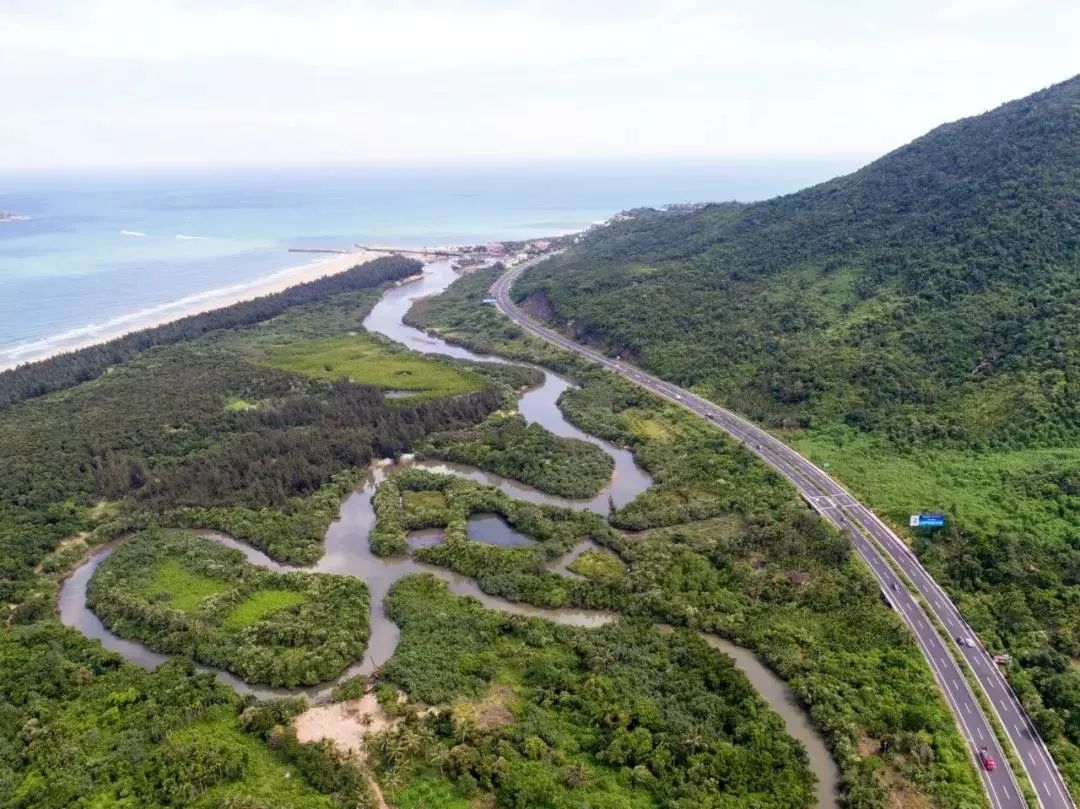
(877, 544)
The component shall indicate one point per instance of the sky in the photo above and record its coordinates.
(88, 83)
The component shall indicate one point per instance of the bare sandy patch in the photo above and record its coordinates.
(491, 711)
(346, 724)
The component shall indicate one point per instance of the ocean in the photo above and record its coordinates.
(101, 253)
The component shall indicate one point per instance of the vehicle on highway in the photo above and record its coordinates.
(895, 586)
(963, 640)
(987, 760)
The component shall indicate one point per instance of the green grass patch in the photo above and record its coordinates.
(179, 587)
(258, 606)
(427, 791)
(238, 405)
(1021, 491)
(423, 500)
(598, 564)
(368, 361)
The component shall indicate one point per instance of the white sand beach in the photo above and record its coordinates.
(191, 305)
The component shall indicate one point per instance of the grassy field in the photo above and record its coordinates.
(368, 361)
(422, 500)
(1016, 491)
(181, 588)
(429, 790)
(258, 605)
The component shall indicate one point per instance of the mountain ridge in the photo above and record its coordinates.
(978, 220)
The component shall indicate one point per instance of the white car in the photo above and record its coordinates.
(965, 641)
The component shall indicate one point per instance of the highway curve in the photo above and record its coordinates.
(878, 545)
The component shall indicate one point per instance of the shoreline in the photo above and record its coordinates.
(197, 303)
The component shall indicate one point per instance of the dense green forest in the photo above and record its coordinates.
(914, 325)
(230, 430)
(504, 444)
(79, 727)
(544, 715)
(187, 595)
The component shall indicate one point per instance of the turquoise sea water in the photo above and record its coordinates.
(101, 251)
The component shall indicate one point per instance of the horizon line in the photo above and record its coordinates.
(719, 161)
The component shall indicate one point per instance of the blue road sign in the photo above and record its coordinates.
(927, 521)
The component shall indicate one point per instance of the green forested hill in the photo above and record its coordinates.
(931, 296)
(917, 325)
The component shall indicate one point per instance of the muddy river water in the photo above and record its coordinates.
(347, 550)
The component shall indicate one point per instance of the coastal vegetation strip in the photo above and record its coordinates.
(186, 595)
(67, 370)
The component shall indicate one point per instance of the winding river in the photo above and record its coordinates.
(347, 550)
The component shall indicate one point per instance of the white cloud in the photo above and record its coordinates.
(171, 81)
(957, 10)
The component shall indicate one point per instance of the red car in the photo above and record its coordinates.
(987, 760)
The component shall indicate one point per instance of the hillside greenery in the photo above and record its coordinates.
(929, 297)
(187, 595)
(915, 325)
